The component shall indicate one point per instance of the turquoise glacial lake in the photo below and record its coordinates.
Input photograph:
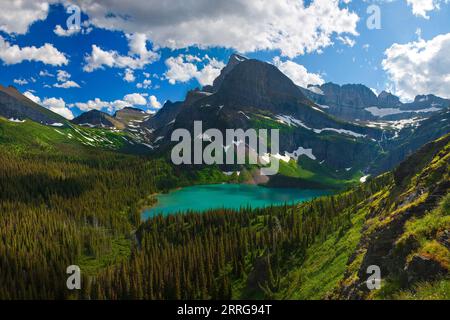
(230, 196)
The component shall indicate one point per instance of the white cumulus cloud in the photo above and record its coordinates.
(96, 104)
(179, 69)
(420, 67)
(16, 16)
(63, 75)
(45, 73)
(138, 57)
(129, 75)
(422, 7)
(144, 84)
(20, 82)
(67, 84)
(298, 73)
(135, 99)
(57, 105)
(32, 97)
(63, 80)
(292, 26)
(129, 100)
(48, 54)
(154, 103)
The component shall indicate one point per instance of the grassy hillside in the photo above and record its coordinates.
(27, 136)
(403, 229)
(307, 173)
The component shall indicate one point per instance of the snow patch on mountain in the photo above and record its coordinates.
(341, 131)
(291, 121)
(242, 112)
(148, 145)
(383, 112)
(288, 156)
(300, 152)
(16, 120)
(364, 179)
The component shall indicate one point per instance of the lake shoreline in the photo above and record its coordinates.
(201, 198)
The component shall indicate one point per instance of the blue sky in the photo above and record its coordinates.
(177, 49)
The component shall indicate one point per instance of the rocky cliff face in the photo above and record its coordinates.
(410, 138)
(95, 118)
(426, 101)
(349, 95)
(126, 119)
(388, 100)
(129, 114)
(234, 60)
(14, 105)
(357, 102)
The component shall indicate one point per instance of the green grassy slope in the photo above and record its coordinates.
(406, 232)
(29, 135)
(407, 219)
(310, 173)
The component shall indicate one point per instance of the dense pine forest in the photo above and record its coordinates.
(318, 249)
(83, 208)
(73, 210)
(225, 254)
(63, 209)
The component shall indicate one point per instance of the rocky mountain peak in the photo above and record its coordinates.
(194, 95)
(428, 101)
(235, 59)
(257, 83)
(388, 100)
(14, 105)
(350, 95)
(95, 118)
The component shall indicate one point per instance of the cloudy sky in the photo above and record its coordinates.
(143, 52)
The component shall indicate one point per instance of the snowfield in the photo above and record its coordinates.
(288, 156)
(300, 152)
(291, 121)
(16, 120)
(383, 112)
(364, 179)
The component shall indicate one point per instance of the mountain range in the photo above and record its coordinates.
(316, 123)
(357, 102)
(72, 193)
